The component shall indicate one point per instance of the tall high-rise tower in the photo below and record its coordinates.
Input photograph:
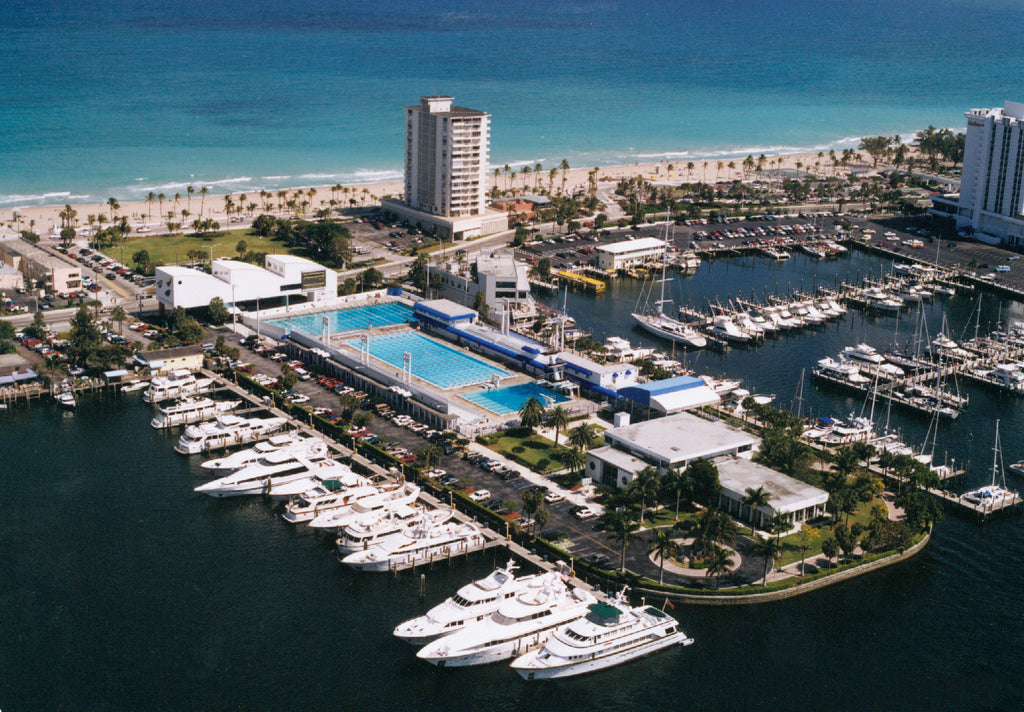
(991, 195)
(446, 158)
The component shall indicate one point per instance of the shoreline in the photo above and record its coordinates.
(41, 219)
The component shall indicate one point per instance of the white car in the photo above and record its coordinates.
(480, 495)
(300, 398)
(552, 497)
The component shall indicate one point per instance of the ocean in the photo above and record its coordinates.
(122, 589)
(124, 97)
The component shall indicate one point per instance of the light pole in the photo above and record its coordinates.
(234, 308)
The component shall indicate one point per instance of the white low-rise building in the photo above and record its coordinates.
(792, 498)
(630, 253)
(666, 443)
(235, 282)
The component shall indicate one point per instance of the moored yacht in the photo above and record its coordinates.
(365, 508)
(387, 525)
(178, 384)
(842, 371)
(225, 431)
(470, 604)
(302, 445)
(516, 627)
(610, 634)
(264, 476)
(672, 329)
(191, 410)
(418, 545)
(329, 494)
(724, 327)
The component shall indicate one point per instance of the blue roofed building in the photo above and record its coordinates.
(671, 395)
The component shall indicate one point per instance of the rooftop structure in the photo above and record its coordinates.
(671, 395)
(502, 279)
(669, 442)
(991, 202)
(44, 269)
(629, 253)
(188, 357)
(795, 499)
(234, 281)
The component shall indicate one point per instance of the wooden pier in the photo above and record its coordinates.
(1011, 503)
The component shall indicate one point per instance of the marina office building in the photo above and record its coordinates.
(446, 152)
(630, 253)
(282, 277)
(991, 201)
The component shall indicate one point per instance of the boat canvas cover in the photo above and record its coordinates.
(604, 612)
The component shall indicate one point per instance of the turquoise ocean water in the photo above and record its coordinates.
(122, 98)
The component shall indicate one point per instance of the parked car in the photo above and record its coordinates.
(480, 495)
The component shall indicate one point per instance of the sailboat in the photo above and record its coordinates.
(660, 324)
(992, 493)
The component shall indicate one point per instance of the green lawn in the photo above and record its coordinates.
(536, 452)
(173, 249)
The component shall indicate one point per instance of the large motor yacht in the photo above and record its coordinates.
(225, 431)
(295, 442)
(291, 477)
(366, 508)
(191, 410)
(610, 634)
(417, 545)
(178, 384)
(470, 604)
(388, 525)
(518, 626)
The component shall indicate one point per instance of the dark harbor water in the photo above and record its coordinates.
(121, 589)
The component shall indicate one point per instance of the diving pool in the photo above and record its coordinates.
(441, 365)
(511, 398)
(350, 319)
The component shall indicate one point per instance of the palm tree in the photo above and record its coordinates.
(582, 436)
(114, 207)
(689, 171)
(202, 202)
(677, 482)
(161, 198)
(778, 524)
(713, 527)
(755, 499)
(748, 164)
(557, 418)
(190, 190)
(507, 169)
(768, 549)
(720, 563)
(551, 179)
(149, 200)
(564, 166)
(807, 535)
(620, 527)
(119, 315)
(663, 546)
(573, 459)
(531, 414)
(646, 485)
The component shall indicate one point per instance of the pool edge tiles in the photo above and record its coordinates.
(362, 317)
(484, 399)
(389, 348)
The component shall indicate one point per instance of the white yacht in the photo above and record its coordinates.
(848, 431)
(66, 396)
(365, 508)
(263, 477)
(610, 634)
(178, 384)
(782, 323)
(724, 327)
(1008, 376)
(386, 525)
(621, 350)
(672, 329)
(470, 604)
(843, 371)
(328, 495)
(225, 431)
(293, 441)
(994, 493)
(418, 545)
(518, 625)
(864, 353)
(747, 325)
(191, 410)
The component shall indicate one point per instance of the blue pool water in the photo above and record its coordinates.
(510, 399)
(434, 362)
(350, 319)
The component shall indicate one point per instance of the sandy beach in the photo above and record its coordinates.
(45, 219)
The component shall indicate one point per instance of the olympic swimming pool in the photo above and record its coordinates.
(432, 361)
(511, 398)
(351, 319)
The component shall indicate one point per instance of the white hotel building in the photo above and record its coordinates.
(446, 170)
(991, 199)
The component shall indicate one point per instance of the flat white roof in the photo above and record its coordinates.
(684, 399)
(584, 363)
(682, 437)
(787, 494)
(643, 243)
